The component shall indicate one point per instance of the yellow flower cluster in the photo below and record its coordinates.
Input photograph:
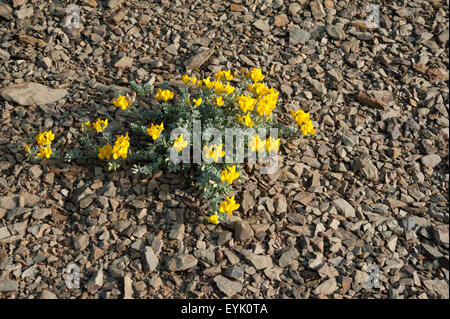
(187, 79)
(271, 144)
(303, 121)
(155, 130)
(267, 103)
(197, 102)
(246, 120)
(223, 75)
(229, 206)
(214, 219)
(214, 152)
(229, 174)
(45, 138)
(219, 100)
(44, 141)
(256, 144)
(124, 101)
(208, 83)
(120, 148)
(179, 143)
(164, 95)
(246, 103)
(259, 89)
(256, 75)
(221, 88)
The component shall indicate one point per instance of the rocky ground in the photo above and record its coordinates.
(370, 188)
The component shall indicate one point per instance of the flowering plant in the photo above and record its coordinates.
(159, 137)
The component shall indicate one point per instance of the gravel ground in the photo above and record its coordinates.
(366, 197)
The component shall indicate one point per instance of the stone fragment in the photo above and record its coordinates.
(298, 36)
(181, 262)
(95, 282)
(8, 285)
(344, 208)
(28, 93)
(227, 286)
(327, 287)
(377, 99)
(124, 62)
(281, 20)
(260, 261)
(317, 9)
(150, 259)
(430, 161)
(196, 61)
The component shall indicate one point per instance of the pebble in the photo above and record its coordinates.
(431, 161)
(344, 208)
(227, 286)
(181, 262)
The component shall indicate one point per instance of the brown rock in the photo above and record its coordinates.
(236, 8)
(199, 59)
(329, 4)
(376, 99)
(281, 20)
(28, 93)
(304, 197)
(27, 39)
(317, 10)
(124, 62)
(91, 3)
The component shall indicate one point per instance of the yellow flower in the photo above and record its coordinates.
(246, 103)
(179, 144)
(85, 125)
(27, 148)
(155, 130)
(185, 78)
(219, 100)
(229, 89)
(256, 75)
(208, 83)
(246, 120)
(257, 144)
(272, 144)
(100, 125)
(105, 152)
(119, 149)
(164, 95)
(308, 128)
(45, 152)
(199, 83)
(121, 102)
(213, 219)
(214, 152)
(193, 80)
(45, 138)
(229, 174)
(229, 206)
(300, 116)
(221, 88)
(267, 103)
(223, 74)
(197, 102)
(259, 89)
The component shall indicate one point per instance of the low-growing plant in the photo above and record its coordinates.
(152, 140)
